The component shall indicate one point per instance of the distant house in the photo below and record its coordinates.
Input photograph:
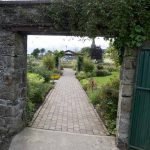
(70, 53)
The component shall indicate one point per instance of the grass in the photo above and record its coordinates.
(101, 80)
(104, 98)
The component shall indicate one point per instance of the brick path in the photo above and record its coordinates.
(67, 109)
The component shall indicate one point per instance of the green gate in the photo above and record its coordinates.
(140, 120)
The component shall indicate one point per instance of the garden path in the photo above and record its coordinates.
(66, 121)
(67, 109)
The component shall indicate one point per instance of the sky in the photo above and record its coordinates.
(62, 42)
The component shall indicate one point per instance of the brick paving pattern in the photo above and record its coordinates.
(67, 109)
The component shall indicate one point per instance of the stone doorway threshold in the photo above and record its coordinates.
(37, 139)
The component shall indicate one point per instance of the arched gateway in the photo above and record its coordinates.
(19, 19)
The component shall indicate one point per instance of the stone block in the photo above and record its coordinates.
(6, 62)
(127, 90)
(3, 130)
(126, 104)
(8, 95)
(129, 76)
(3, 102)
(129, 63)
(11, 111)
(2, 122)
(23, 92)
(20, 62)
(14, 124)
(3, 109)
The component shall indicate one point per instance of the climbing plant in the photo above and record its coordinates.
(127, 21)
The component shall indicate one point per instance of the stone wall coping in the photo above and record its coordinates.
(26, 2)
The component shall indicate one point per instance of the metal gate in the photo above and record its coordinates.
(140, 120)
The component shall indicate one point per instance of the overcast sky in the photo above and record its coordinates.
(62, 42)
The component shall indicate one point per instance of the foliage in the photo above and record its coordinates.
(93, 96)
(42, 51)
(88, 65)
(69, 64)
(108, 103)
(105, 99)
(36, 88)
(113, 53)
(85, 50)
(48, 61)
(102, 73)
(81, 75)
(127, 21)
(57, 55)
(31, 63)
(100, 80)
(30, 109)
(55, 76)
(35, 66)
(103, 93)
(44, 72)
(100, 66)
(90, 74)
(56, 71)
(35, 52)
(80, 63)
(111, 67)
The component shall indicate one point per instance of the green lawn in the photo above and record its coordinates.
(101, 80)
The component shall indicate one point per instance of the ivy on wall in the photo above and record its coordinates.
(127, 21)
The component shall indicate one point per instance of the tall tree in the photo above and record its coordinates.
(42, 51)
(36, 53)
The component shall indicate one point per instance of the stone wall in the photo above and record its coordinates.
(31, 14)
(12, 84)
(18, 20)
(127, 81)
(31, 18)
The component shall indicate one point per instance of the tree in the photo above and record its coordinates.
(113, 54)
(35, 52)
(127, 21)
(58, 55)
(42, 51)
(86, 50)
(49, 52)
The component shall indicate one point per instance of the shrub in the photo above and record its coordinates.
(56, 71)
(44, 72)
(103, 72)
(105, 99)
(89, 74)
(48, 61)
(110, 67)
(108, 103)
(80, 63)
(85, 86)
(37, 89)
(32, 62)
(81, 75)
(88, 65)
(30, 109)
(55, 76)
(100, 66)
(94, 97)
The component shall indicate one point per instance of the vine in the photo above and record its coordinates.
(127, 21)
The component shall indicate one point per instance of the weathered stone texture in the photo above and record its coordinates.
(12, 84)
(125, 98)
(16, 14)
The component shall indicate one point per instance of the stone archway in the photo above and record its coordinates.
(18, 19)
